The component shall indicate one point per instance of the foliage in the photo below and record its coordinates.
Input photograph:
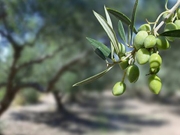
(27, 96)
(2, 92)
(42, 39)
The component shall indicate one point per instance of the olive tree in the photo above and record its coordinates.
(39, 36)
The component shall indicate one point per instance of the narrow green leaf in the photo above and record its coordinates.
(99, 53)
(121, 17)
(112, 51)
(172, 33)
(133, 17)
(110, 32)
(102, 47)
(108, 17)
(121, 31)
(129, 35)
(92, 78)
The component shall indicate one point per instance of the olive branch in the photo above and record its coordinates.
(144, 46)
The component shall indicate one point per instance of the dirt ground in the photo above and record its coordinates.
(99, 114)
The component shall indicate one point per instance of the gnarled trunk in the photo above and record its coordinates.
(7, 100)
(58, 99)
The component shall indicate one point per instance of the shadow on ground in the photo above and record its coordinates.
(92, 115)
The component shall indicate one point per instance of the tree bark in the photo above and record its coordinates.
(7, 100)
(11, 89)
(58, 100)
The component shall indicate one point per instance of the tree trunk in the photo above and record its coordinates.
(7, 100)
(58, 99)
(73, 97)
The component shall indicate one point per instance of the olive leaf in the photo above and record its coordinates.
(121, 31)
(108, 17)
(133, 17)
(121, 17)
(129, 35)
(112, 51)
(110, 24)
(172, 33)
(99, 53)
(103, 48)
(110, 32)
(92, 78)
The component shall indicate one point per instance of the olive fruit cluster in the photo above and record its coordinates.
(132, 72)
(144, 41)
(146, 46)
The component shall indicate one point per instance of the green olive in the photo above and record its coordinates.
(150, 41)
(170, 19)
(132, 73)
(162, 43)
(177, 22)
(124, 64)
(139, 39)
(155, 60)
(142, 56)
(122, 49)
(168, 27)
(119, 88)
(178, 13)
(145, 27)
(155, 84)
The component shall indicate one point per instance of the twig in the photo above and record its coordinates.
(64, 68)
(171, 11)
(39, 60)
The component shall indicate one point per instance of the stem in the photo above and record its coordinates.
(159, 18)
(171, 11)
(124, 76)
(166, 5)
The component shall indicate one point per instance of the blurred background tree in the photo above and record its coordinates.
(43, 47)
